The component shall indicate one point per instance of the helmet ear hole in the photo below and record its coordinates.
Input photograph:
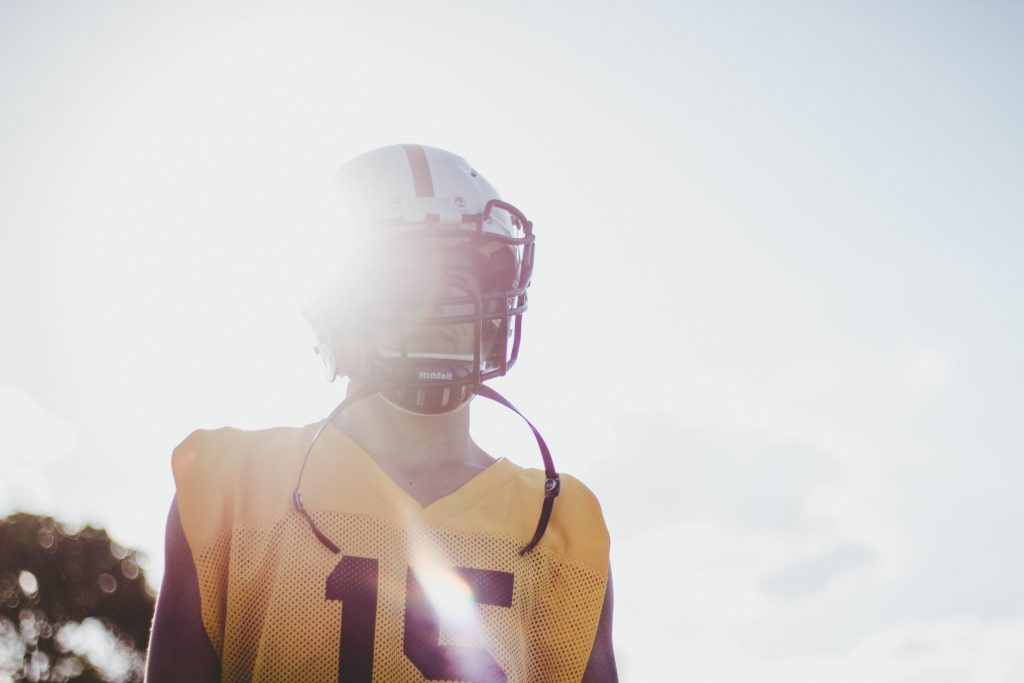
(339, 344)
(325, 350)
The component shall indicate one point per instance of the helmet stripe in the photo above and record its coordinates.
(421, 178)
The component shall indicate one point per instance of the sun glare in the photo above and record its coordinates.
(450, 597)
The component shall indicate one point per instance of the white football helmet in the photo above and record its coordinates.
(425, 346)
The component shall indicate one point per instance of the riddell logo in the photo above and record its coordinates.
(436, 374)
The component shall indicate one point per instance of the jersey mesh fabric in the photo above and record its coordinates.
(263, 576)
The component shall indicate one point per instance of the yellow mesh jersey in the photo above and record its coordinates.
(416, 594)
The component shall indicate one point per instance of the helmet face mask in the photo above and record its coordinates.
(435, 307)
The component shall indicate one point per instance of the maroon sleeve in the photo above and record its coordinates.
(601, 665)
(179, 649)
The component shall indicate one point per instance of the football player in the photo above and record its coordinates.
(383, 544)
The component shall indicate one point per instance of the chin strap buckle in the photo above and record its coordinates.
(552, 486)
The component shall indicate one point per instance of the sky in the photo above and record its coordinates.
(774, 322)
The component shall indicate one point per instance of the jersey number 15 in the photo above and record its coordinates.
(353, 582)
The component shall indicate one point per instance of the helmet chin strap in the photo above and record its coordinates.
(359, 394)
(552, 482)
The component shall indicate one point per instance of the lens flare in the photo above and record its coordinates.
(451, 599)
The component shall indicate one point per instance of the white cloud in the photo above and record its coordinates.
(31, 434)
(31, 438)
(24, 488)
(809, 379)
(928, 369)
(960, 648)
(690, 608)
(706, 578)
(706, 600)
(854, 497)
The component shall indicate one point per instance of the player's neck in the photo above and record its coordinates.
(397, 439)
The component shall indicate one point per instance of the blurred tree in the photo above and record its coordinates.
(74, 605)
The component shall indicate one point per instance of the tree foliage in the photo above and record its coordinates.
(74, 605)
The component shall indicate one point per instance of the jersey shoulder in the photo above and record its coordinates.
(228, 475)
(575, 532)
(577, 523)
